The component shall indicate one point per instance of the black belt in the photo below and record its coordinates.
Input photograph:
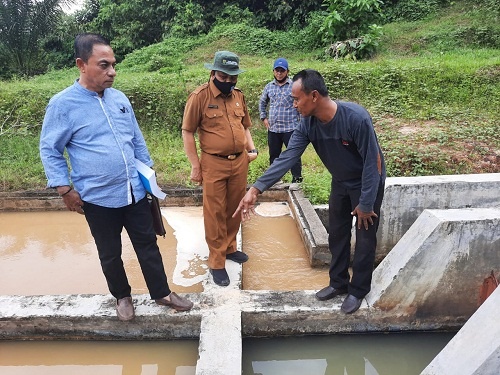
(230, 157)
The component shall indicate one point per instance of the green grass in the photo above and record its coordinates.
(20, 166)
(433, 90)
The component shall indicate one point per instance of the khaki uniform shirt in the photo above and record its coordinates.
(220, 121)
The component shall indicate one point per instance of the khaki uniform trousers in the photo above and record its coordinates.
(224, 185)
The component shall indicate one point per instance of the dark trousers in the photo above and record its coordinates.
(275, 142)
(106, 225)
(341, 203)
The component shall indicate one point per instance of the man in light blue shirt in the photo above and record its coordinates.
(282, 118)
(96, 126)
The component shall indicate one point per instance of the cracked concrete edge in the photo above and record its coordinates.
(263, 313)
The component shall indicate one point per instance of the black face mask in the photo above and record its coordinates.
(224, 87)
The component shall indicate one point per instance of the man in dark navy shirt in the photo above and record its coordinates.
(343, 136)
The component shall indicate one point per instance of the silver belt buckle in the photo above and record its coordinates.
(231, 157)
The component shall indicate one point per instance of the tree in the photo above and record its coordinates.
(350, 18)
(282, 14)
(132, 24)
(23, 24)
(58, 45)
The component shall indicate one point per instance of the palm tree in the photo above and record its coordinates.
(23, 24)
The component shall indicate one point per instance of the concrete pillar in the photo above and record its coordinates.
(438, 266)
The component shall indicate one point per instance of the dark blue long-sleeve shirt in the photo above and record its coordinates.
(348, 147)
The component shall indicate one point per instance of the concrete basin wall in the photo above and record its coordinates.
(407, 197)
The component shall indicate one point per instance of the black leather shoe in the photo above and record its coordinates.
(221, 277)
(237, 256)
(351, 304)
(329, 292)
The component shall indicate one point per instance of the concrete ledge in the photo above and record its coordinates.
(43, 200)
(49, 200)
(92, 317)
(271, 314)
(311, 229)
(223, 318)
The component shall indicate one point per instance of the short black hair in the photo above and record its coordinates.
(311, 80)
(84, 44)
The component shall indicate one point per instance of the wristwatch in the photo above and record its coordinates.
(254, 151)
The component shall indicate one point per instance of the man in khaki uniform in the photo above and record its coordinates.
(217, 111)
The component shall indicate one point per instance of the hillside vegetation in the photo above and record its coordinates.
(433, 89)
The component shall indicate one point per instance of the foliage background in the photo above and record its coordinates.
(433, 86)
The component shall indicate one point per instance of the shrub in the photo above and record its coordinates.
(349, 18)
(166, 56)
(158, 99)
(309, 36)
(411, 10)
(481, 36)
(357, 48)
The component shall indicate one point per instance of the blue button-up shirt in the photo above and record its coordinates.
(102, 139)
(283, 117)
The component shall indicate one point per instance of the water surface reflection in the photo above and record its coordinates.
(98, 357)
(370, 354)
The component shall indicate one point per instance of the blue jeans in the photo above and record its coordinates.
(106, 225)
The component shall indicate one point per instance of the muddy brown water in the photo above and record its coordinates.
(54, 253)
(98, 358)
(278, 258)
(378, 354)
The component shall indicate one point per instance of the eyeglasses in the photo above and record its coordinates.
(225, 77)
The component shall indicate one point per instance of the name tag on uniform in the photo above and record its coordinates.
(213, 106)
